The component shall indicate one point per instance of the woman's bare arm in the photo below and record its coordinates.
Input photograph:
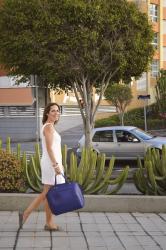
(48, 133)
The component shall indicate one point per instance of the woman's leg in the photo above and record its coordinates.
(36, 202)
(49, 216)
(48, 213)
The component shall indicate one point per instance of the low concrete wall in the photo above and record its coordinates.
(94, 203)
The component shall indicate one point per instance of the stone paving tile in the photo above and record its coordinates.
(98, 248)
(146, 241)
(6, 248)
(73, 227)
(111, 231)
(147, 224)
(157, 233)
(38, 248)
(135, 248)
(163, 216)
(107, 234)
(96, 241)
(9, 234)
(143, 233)
(127, 218)
(120, 227)
(161, 240)
(113, 242)
(134, 227)
(24, 242)
(7, 242)
(87, 218)
(114, 218)
(152, 248)
(64, 242)
(114, 248)
(97, 227)
(44, 241)
(129, 241)
(104, 227)
(92, 234)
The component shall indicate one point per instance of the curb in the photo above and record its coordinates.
(94, 203)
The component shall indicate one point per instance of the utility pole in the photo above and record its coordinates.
(34, 84)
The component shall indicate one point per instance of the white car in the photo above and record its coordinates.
(124, 142)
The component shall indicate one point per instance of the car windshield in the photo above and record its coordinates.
(143, 135)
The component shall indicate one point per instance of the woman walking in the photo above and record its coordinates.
(51, 164)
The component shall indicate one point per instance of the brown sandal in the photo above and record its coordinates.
(47, 228)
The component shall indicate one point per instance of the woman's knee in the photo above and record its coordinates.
(45, 191)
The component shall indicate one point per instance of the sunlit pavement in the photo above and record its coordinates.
(83, 230)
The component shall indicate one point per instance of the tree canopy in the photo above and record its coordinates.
(161, 93)
(120, 96)
(78, 44)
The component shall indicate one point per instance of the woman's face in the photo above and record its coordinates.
(54, 113)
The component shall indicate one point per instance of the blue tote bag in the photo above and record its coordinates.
(65, 197)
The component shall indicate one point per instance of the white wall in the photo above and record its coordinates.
(164, 3)
(8, 82)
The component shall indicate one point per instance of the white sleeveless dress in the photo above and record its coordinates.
(47, 170)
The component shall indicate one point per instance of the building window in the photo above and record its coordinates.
(164, 3)
(164, 54)
(141, 82)
(154, 68)
(164, 26)
(155, 40)
(154, 12)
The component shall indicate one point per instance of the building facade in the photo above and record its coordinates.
(156, 10)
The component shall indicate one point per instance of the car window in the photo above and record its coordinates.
(142, 134)
(125, 136)
(103, 136)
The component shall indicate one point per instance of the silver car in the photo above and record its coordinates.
(124, 142)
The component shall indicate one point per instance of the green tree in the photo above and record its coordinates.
(75, 44)
(161, 93)
(120, 96)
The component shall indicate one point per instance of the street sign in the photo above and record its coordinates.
(143, 97)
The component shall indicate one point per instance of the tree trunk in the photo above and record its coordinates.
(86, 113)
(122, 119)
(86, 92)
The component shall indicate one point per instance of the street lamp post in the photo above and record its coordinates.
(144, 98)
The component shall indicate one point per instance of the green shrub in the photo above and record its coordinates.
(12, 178)
(135, 118)
(106, 122)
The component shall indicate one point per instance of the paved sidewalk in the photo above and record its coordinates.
(82, 231)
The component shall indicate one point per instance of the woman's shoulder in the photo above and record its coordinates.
(48, 127)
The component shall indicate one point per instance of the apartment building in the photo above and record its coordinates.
(156, 10)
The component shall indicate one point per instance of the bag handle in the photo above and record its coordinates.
(66, 181)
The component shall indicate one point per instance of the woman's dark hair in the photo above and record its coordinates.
(47, 110)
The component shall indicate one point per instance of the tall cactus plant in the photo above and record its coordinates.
(33, 170)
(90, 173)
(150, 178)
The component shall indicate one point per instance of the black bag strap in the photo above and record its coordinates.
(66, 181)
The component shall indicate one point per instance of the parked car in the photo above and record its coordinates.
(124, 142)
